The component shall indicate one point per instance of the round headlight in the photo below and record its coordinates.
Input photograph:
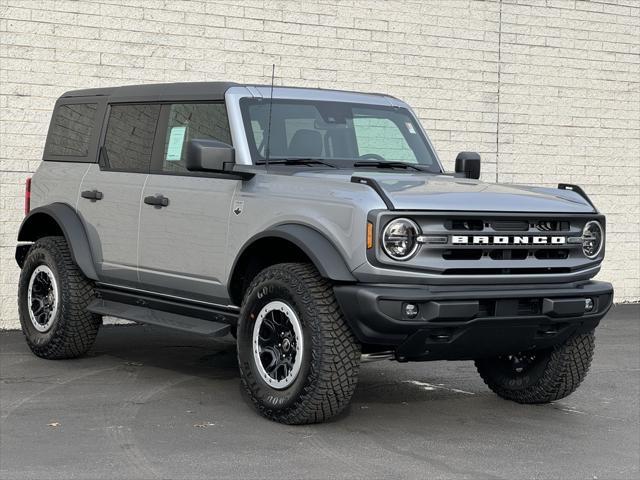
(592, 239)
(399, 238)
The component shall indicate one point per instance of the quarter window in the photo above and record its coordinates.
(129, 138)
(71, 129)
(189, 121)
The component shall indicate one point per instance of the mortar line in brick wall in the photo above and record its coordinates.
(498, 92)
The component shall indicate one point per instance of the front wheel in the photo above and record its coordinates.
(540, 376)
(298, 359)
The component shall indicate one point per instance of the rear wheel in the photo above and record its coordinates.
(540, 376)
(298, 359)
(53, 295)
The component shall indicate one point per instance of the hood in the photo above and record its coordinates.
(408, 191)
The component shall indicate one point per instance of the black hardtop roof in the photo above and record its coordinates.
(157, 91)
(173, 91)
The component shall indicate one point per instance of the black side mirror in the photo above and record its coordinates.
(210, 156)
(468, 164)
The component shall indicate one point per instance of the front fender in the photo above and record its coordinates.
(315, 245)
(42, 221)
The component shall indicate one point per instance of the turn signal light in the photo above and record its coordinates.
(369, 235)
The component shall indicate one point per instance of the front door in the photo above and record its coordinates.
(109, 204)
(183, 234)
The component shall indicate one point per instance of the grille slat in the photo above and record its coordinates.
(510, 225)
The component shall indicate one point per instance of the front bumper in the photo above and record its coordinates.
(473, 321)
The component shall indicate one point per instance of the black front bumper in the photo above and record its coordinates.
(470, 322)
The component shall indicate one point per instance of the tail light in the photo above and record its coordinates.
(27, 196)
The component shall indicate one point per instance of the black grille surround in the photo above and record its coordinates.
(447, 255)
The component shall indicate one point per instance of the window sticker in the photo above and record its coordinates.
(410, 128)
(176, 141)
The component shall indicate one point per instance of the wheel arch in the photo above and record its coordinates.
(62, 220)
(286, 243)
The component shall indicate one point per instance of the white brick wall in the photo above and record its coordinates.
(546, 90)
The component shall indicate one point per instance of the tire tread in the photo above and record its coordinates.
(329, 388)
(76, 328)
(567, 367)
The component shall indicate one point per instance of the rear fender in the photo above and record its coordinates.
(54, 219)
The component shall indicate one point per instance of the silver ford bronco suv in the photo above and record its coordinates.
(316, 227)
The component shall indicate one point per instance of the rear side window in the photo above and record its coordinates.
(129, 138)
(71, 129)
(189, 121)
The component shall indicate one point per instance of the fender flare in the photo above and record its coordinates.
(322, 253)
(72, 229)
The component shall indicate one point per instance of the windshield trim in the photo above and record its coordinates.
(258, 160)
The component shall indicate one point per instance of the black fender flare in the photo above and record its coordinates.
(322, 253)
(72, 228)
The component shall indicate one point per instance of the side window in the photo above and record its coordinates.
(129, 138)
(71, 129)
(189, 121)
(381, 136)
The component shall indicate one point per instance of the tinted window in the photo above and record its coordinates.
(188, 121)
(129, 138)
(71, 129)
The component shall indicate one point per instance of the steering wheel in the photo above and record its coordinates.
(373, 156)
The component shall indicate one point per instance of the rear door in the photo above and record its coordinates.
(183, 237)
(110, 197)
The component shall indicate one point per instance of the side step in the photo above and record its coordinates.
(159, 318)
(198, 319)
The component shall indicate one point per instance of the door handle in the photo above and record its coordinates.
(157, 201)
(92, 195)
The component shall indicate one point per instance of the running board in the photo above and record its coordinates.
(198, 319)
(159, 318)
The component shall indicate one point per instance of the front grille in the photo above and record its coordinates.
(485, 244)
(492, 256)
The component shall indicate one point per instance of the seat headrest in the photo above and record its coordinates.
(306, 143)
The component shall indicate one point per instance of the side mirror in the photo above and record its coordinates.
(468, 164)
(210, 156)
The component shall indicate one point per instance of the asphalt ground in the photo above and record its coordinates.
(149, 403)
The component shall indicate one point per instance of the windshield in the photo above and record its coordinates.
(342, 134)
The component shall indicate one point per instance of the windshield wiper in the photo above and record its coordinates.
(385, 164)
(297, 161)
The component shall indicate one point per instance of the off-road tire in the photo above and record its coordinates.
(330, 357)
(556, 373)
(74, 329)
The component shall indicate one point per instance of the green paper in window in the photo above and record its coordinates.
(176, 141)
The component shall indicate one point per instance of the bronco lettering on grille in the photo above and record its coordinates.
(507, 240)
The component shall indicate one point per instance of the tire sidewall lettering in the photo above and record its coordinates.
(34, 259)
(272, 399)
